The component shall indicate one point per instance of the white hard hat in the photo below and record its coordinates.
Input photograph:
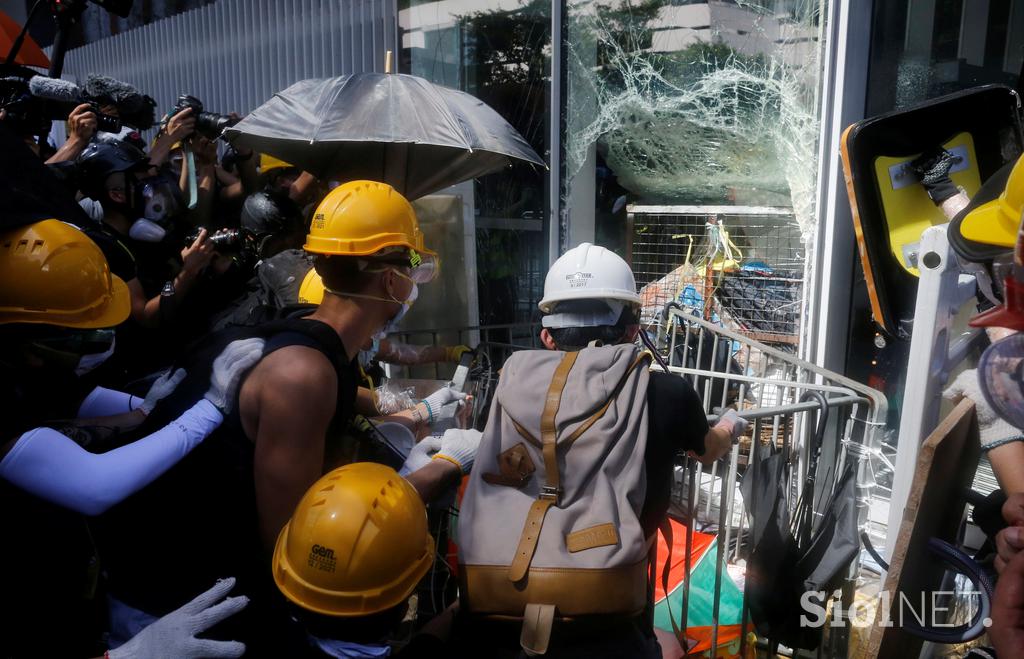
(588, 272)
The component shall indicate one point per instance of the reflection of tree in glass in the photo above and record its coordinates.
(702, 124)
(506, 56)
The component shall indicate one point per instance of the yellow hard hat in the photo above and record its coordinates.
(50, 272)
(360, 218)
(268, 162)
(356, 545)
(998, 221)
(312, 289)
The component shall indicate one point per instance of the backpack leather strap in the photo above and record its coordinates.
(585, 426)
(551, 490)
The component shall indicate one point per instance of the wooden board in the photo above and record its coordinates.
(945, 468)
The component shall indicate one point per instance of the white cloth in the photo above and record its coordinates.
(52, 467)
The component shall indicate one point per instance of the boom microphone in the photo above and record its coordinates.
(55, 89)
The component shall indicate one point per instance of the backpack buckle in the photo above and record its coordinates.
(550, 492)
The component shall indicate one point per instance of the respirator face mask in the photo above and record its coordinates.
(76, 350)
(156, 197)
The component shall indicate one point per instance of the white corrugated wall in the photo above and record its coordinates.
(234, 54)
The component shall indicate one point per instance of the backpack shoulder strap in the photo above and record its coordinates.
(642, 359)
(323, 335)
(552, 483)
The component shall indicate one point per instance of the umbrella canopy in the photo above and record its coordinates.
(396, 128)
(701, 605)
(30, 53)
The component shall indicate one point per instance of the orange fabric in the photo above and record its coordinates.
(30, 53)
(727, 636)
(677, 571)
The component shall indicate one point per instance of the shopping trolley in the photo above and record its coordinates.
(781, 396)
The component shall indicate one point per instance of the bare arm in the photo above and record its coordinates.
(434, 478)
(287, 403)
(195, 258)
(302, 188)
(81, 128)
(1008, 464)
(717, 443)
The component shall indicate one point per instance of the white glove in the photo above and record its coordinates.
(174, 634)
(421, 454)
(734, 423)
(437, 400)
(992, 427)
(162, 388)
(237, 358)
(460, 447)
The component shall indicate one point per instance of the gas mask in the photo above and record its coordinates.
(75, 350)
(156, 197)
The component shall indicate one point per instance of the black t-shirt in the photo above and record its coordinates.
(676, 423)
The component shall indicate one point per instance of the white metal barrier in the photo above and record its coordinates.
(936, 348)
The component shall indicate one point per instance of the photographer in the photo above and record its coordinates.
(116, 175)
(81, 128)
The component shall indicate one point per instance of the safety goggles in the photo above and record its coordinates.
(423, 268)
(1001, 377)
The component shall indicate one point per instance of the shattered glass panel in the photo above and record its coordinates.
(700, 103)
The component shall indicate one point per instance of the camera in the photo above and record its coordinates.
(222, 239)
(104, 122)
(208, 124)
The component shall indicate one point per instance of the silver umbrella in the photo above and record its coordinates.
(400, 129)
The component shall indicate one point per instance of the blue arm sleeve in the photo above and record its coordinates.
(107, 402)
(51, 466)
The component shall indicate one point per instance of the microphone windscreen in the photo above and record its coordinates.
(54, 89)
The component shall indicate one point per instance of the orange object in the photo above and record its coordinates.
(30, 54)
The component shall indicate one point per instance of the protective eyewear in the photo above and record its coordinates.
(423, 268)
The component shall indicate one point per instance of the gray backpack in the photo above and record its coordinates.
(549, 527)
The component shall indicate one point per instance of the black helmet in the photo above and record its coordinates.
(101, 159)
(266, 214)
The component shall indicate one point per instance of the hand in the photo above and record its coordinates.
(237, 358)
(198, 255)
(180, 125)
(459, 447)
(174, 635)
(733, 423)
(421, 455)
(162, 388)
(82, 123)
(439, 399)
(1010, 541)
(1007, 630)
(454, 353)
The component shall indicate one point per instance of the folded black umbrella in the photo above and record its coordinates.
(792, 556)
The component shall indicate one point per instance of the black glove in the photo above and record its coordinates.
(932, 167)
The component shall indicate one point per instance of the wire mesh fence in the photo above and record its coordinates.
(742, 266)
